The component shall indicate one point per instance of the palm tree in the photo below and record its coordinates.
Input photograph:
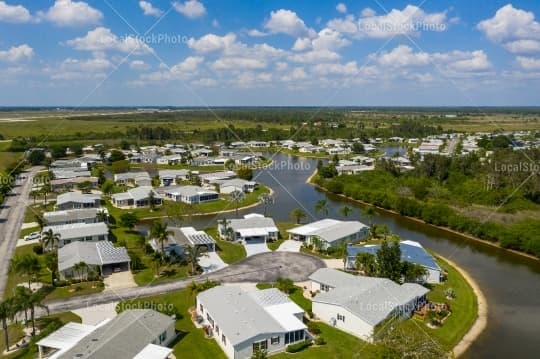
(369, 212)
(51, 262)
(49, 238)
(7, 313)
(366, 263)
(160, 232)
(27, 265)
(102, 216)
(322, 207)
(157, 261)
(22, 298)
(192, 255)
(317, 243)
(40, 220)
(224, 230)
(34, 195)
(345, 211)
(266, 199)
(36, 300)
(152, 200)
(80, 268)
(45, 189)
(298, 214)
(237, 197)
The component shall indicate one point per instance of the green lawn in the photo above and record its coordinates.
(191, 341)
(464, 309)
(15, 333)
(230, 252)
(146, 275)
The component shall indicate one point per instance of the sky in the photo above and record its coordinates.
(269, 53)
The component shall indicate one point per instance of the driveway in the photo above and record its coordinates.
(211, 262)
(119, 280)
(290, 246)
(255, 247)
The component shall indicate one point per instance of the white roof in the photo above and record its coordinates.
(284, 314)
(329, 229)
(152, 351)
(66, 337)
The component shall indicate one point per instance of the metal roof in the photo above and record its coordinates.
(77, 197)
(243, 315)
(152, 351)
(71, 214)
(261, 225)
(123, 337)
(371, 299)
(329, 230)
(190, 236)
(410, 251)
(67, 336)
(188, 191)
(137, 194)
(79, 230)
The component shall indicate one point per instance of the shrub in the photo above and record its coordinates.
(320, 341)
(297, 347)
(38, 249)
(61, 283)
(313, 328)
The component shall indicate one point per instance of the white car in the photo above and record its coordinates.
(32, 236)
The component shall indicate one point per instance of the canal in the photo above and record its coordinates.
(511, 283)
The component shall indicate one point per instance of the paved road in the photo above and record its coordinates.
(11, 219)
(264, 267)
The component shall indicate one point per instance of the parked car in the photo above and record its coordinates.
(32, 236)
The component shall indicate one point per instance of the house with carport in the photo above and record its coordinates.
(75, 200)
(101, 257)
(252, 228)
(137, 197)
(80, 232)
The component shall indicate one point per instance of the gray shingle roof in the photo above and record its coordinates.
(121, 338)
(91, 253)
(371, 299)
(71, 214)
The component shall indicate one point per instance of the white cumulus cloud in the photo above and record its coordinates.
(341, 7)
(14, 13)
(102, 39)
(149, 9)
(17, 53)
(71, 13)
(190, 8)
(287, 22)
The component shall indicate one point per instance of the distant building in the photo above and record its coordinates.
(242, 322)
(169, 177)
(331, 232)
(133, 334)
(184, 237)
(75, 200)
(142, 179)
(190, 194)
(83, 215)
(237, 184)
(65, 184)
(137, 197)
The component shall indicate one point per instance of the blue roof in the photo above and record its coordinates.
(410, 251)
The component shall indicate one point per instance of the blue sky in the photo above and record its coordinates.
(323, 53)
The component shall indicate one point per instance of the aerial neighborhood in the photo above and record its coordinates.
(112, 219)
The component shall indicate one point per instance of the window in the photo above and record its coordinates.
(293, 337)
(217, 329)
(324, 288)
(262, 345)
(341, 317)
(223, 339)
(201, 308)
(274, 340)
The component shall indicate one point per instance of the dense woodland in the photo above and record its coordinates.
(446, 191)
